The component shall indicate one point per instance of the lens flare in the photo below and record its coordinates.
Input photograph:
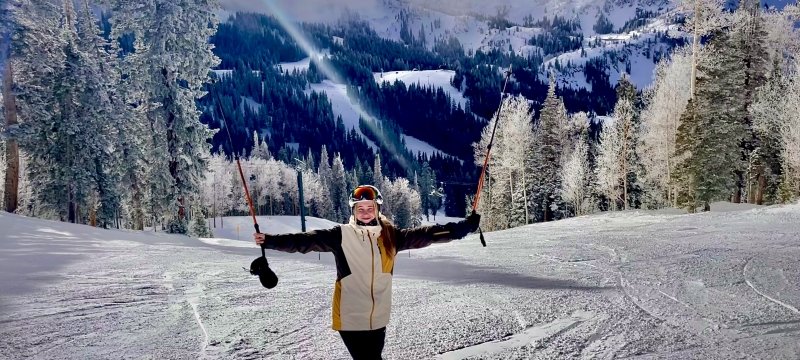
(299, 37)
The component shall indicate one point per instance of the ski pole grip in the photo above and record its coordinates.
(258, 231)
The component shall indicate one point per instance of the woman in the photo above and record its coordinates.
(364, 250)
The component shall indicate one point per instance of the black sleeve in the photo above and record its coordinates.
(317, 240)
(423, 236)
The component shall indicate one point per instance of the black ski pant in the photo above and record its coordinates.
(364, 345)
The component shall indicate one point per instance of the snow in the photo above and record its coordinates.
(717, 285)
(428, 78)
(222, 72)
(301, 65)
(342, 106)
(349, 111)
(440, 218)
(416, 146)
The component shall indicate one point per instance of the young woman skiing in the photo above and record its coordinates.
(364, 250)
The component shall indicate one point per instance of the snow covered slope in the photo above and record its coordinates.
(716, 285)
(427, 78)
(349, 111)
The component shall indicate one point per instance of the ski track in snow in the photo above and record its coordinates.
(528, 336)
(194, 301)
(781, 303)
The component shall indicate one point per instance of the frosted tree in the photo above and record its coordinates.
(790, 136)
(608, 172)
(339, 190)
(178, 58)
(703, 18)
(494, 196)
(659, 128)
(216, 187)
(516, 127)
(401, 203)
(9, 150)
(107, 113)
(775, 114)
(68, 135)
(200, 224)
(325, 205)
(548, 156)
(767, 113)
(627, 129)
(377, 173)
(576, 173)
(36, 60)
(749, 37)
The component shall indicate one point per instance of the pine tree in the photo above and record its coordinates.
(73, 170)
(325, 173)
(200, 225)
(339, 190)
(9, 150)
(377, 173)
(749, 37)
(627, 118)
(768, 116)
(106, 113)
(720, 110)
(686, 145)
(179, 57)
(37, 57)
(547, 160)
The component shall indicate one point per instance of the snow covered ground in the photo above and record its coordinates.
(341, 105)
(648, 285)
(428, 78)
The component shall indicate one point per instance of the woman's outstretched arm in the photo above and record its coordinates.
(317, 240)
(423, 236)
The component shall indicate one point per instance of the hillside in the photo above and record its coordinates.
(714, 285)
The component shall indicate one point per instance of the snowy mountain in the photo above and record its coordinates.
(471, 23)
(715, 285)
(345, 107)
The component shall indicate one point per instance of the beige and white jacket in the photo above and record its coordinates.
(362, 296)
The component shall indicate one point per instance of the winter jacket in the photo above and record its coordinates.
(362, 295)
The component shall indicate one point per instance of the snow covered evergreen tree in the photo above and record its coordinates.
(339, 192)
(200, 224)
(626, 116)
(69, 132)
(325, 206)
(178, 57)
(377, 173)
(714, 151)
(749, 38)
(9, 149)
(548, 157)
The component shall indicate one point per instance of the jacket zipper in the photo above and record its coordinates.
(372, 280)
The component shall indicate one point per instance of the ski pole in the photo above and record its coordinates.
(259, 266)
(488, 153)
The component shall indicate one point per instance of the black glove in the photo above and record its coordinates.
(473, 221)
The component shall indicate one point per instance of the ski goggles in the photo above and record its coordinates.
(365, 193)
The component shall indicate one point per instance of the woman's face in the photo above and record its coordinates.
(365, 211)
